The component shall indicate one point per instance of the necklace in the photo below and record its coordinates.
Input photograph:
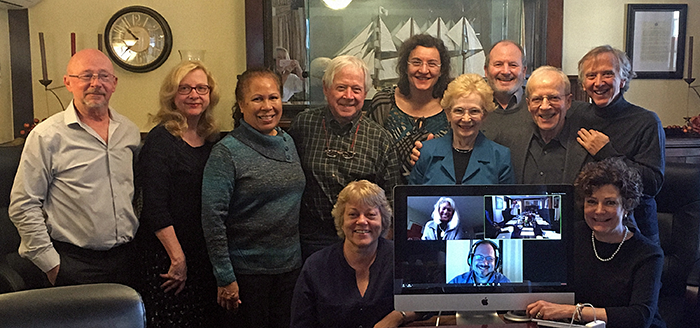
(617, 250)
(442, 231)
(462, 151)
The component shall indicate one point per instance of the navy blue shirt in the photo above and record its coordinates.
(326, 294)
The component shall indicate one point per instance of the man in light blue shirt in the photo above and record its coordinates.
(484, 260)
(71, 198)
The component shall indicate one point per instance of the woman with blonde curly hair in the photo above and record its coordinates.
(178, 282)
(464, 155)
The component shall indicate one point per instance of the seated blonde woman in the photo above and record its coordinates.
(350, 284)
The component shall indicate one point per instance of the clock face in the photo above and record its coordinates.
(138, 39)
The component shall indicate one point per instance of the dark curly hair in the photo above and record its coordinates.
(610, 171)
(427, 41)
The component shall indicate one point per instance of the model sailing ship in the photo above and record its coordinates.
(377, 46)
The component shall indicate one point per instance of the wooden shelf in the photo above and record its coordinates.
(683, 150)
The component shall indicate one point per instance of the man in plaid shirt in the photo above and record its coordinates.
(338, 145)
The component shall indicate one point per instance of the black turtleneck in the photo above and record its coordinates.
(636, 134)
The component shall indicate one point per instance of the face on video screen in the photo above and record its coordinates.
(446, 211)
(483, 261)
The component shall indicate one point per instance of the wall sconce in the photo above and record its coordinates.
(336, 4)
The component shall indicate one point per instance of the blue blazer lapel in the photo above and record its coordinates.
(444, 149)
(481, 156)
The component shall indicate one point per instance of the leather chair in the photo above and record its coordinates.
(94, 306)
(16, 273)
(678, 208)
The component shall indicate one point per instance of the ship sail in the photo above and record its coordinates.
(471, 58)
(409, 29)
(439, 30)
(355, 47)
(385, 40)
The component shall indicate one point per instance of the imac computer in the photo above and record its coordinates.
(482, 248)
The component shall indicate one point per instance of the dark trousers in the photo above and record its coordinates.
(87, 266)
(266, 300)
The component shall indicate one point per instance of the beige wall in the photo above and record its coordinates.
(6, 132)
(217, 26)
(591, 23)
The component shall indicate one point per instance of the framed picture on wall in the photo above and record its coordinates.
(656, 40)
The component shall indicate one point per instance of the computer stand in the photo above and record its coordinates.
(478, 318)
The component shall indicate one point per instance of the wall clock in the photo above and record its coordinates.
(138, 39)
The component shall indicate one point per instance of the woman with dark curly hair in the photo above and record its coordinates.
(411, 111)
(618, 270)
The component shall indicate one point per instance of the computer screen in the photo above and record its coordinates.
(482, 247)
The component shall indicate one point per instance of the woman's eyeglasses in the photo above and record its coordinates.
(201, 89)
(432, 64)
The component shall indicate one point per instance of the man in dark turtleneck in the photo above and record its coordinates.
(612, 127)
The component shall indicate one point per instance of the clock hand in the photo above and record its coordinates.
(127, 49)
(132, 34)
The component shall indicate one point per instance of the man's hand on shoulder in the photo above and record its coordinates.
(415, 152)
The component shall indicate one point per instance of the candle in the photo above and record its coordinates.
(72, 44)
(45, 74)
(690, 58)
(99, 42)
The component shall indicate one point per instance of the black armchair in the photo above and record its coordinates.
(94, 306)
(16, 273)
(679, 230)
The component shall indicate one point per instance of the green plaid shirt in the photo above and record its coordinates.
(374, 160)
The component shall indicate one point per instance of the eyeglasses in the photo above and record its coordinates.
(472, 112)
(554, 100)
(87, 77)
(480, 258)
(432, 64)
(201, 89)
(333, 153)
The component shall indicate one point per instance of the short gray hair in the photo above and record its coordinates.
(621, 62)
(544, 69)
(340, 62)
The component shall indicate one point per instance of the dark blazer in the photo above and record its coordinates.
(488, 164)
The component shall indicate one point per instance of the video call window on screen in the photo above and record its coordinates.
(455, 246)
(484, 217)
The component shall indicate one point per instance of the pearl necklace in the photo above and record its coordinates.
(462, 151)
(617, 250)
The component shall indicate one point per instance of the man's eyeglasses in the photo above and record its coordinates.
(480, 258)
(87, 77)
(332, 153)
(554, 100)
(432, 64)
(201, 89)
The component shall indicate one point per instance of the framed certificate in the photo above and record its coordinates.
(656, 39)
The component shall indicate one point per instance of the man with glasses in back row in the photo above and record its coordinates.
(338, 145)
(71, 198)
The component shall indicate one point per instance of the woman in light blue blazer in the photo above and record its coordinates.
(464, 155)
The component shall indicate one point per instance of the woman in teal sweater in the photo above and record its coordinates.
(251, 193)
